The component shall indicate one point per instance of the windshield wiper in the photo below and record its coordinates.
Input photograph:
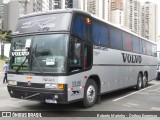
(37, 60)
(38, 63)
(21, 65)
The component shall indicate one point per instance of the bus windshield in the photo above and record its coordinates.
(47, 52)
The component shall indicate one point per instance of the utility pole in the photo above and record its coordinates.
(24, 3)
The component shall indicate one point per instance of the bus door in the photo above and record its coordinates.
(80, 55)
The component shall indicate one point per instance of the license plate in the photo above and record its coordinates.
(50, 101)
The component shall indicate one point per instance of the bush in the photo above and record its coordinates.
(3, 58)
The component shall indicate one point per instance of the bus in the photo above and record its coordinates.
(158, 61)
(66, 56)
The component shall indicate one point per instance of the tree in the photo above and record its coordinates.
(5, 37)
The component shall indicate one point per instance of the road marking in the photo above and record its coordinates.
(134, 93)
(132, 104)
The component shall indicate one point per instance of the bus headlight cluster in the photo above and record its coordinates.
(12, 82)
(54, 86)
(51, 85)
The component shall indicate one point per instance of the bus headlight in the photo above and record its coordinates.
(54, 86)
(51, 85)
(12, 82)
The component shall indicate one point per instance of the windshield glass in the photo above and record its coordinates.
(19, 52)
(48, 53)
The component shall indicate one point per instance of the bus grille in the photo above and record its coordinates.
(35, 85)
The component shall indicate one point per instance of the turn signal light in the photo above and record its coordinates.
(60, 86)
(29, 78)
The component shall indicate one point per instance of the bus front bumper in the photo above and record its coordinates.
(39, 94)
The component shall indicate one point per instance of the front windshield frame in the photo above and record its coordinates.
(30, 66)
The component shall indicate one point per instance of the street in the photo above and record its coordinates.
(147, 99)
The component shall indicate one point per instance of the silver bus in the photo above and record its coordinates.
(65, 56)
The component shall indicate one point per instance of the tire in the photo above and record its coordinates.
(139, 82)
(145, 81)
(90, 94)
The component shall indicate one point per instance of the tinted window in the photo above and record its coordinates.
(88, 33)
(136, 44)
(154, 50)
(115, 38)
(149, 48)
(79, 26)
(144, 47)
(141, 46)
(100, 34)
(127, 41)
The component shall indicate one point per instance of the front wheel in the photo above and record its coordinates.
(90, 94)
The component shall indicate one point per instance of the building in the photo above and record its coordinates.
(149, 21)
(133, 16)
(1, 8)
(98, 8)
(10, 15)
(0, 23)
(37, 6)
(116, 12)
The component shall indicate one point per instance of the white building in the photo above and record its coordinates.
(36, 6)
(116, 12)
(149, 21)
(10, 15)
(98, 8)
(133, 15)
(1, 8)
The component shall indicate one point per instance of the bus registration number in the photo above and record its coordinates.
(50, 101)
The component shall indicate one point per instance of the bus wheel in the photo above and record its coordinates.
(145, 81)
(139, 82)
(90, 94)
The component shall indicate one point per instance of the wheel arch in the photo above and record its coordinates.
(97, 80)
(140, 72)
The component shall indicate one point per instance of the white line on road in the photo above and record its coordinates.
(133, 93)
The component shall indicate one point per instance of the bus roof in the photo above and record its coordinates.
(89, 14)
(54, 12)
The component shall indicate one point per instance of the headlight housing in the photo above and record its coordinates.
(54, 86)
(51, 85)
(12, 82)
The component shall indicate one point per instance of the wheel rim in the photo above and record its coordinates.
(91, 93)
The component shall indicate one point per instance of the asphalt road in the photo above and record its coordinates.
(147, 99)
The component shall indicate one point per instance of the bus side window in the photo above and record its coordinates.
(75, 56)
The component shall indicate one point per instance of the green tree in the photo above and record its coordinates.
(5, 37)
